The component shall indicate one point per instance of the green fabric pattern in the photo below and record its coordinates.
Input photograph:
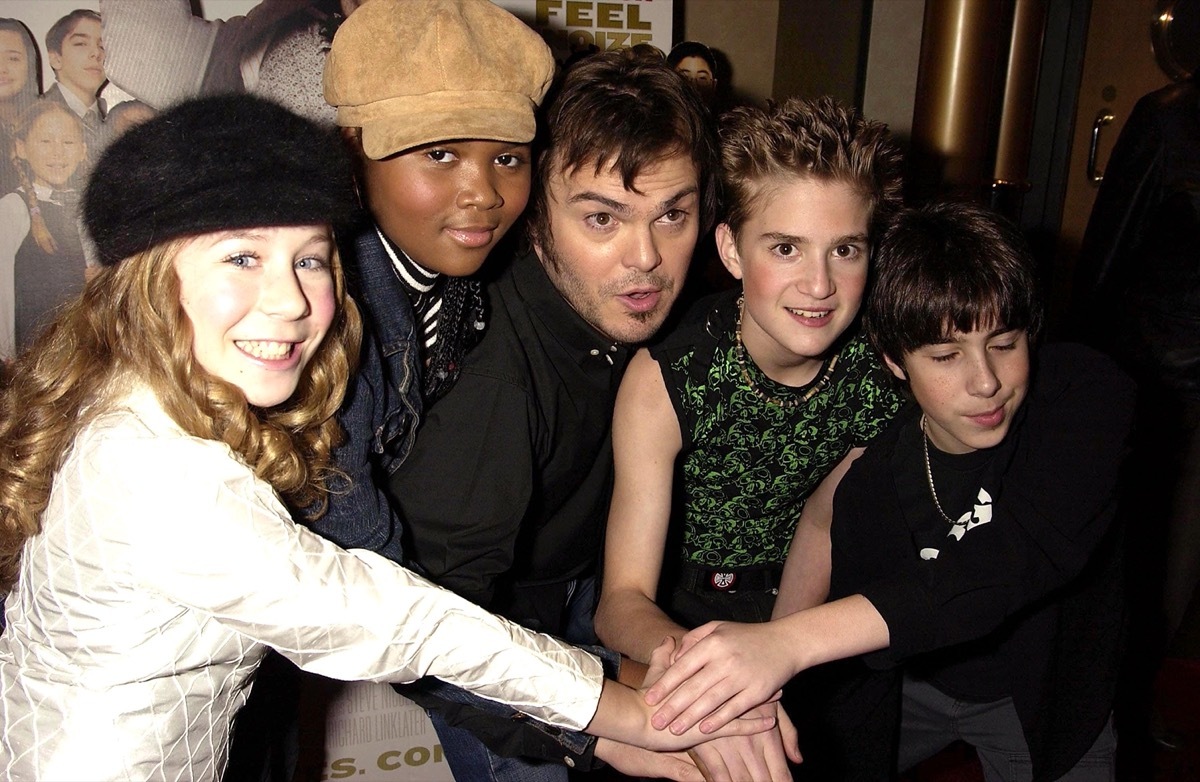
(748, 465)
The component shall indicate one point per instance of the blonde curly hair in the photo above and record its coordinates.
(128, 325)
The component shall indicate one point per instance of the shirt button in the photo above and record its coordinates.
(569, 761)
(594, 352)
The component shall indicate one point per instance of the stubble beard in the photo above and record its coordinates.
(590, 306)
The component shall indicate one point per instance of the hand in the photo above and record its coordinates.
(623, 715)
(637, 762)
(722, 670)
(759, 758)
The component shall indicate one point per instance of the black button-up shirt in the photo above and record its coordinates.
(507, 488)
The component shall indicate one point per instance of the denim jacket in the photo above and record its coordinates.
(380, 414)
(381, 409)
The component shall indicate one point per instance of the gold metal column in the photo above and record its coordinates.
(958, 102)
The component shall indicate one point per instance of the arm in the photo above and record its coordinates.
(646, 440)
(345, 615)
(359, 513)
(805, 581)
(725, 668)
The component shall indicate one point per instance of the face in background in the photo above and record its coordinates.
(802, 256)
(619, 257)
(699, 72)
(79, 67)
(260, 300)
(14, 64)
(53, 147)
(448, 204)
(969, 386)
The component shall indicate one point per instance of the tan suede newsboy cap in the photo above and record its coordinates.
(412, 72)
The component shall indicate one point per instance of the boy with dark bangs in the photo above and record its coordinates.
(974, 550)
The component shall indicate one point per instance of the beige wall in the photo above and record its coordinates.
(742, 30)
(895, 53)
(811, 47)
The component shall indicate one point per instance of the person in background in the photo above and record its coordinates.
(505, 492)
(1137, 297)
(20, 86)
(696, 61)
(75, 49)
(149, 439)
(49, 147)
(126, 114)
(976, 548)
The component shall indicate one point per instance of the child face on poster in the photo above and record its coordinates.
(79, 64)
(52, 146)
(14, 64)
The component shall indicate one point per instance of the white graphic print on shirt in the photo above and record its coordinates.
(981, 514)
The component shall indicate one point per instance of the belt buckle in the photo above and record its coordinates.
(722, 582)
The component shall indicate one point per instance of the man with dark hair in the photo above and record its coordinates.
(76, 53)
(506, 490)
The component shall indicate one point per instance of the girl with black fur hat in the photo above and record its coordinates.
(148, 442)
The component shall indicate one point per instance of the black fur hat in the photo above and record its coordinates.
(213, 164)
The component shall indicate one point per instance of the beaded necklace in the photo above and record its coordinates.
(748, 379)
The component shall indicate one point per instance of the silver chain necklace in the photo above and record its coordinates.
(929, 473)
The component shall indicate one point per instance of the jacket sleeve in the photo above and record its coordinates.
(200, 529)
(465, 487)
(507, 732)
(359, 512)
(1056, 505)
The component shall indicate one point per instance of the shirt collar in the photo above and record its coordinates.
(413, 275)
(560, 319)
(73, 101)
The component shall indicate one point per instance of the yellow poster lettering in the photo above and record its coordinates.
(417, 756)
(633, 20)
(544, 9)
(611, 41)
(608, 15)
(579, 14)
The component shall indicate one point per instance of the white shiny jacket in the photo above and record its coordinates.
(165, 569)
